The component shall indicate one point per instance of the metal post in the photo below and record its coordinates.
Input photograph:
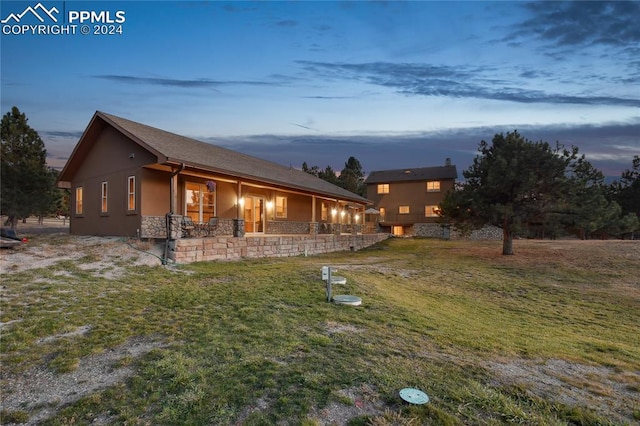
(329, 284)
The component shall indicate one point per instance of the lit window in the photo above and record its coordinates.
(103, 197)
(79, 204)
(431, 211)
(200, 201)
(324, 211)
(131, 193)
(281, 206)
(403, 209)
(383, 212)
(383, 188)
(433, 186)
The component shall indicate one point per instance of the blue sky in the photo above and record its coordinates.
(394, 84)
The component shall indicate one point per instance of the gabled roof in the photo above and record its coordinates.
(173, 149)
(409, 175)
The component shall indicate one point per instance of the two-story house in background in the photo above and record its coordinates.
(408, 199)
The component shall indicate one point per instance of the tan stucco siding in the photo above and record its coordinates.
(112, 159)
(155, 193)
(412, 194)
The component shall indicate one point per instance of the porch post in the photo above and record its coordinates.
(238, 222)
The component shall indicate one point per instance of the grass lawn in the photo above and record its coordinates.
(549, 336)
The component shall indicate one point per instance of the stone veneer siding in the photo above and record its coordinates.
(189, 250)
(283, 227)
(435, 230)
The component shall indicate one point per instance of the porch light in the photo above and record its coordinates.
(269, 205)
(357, 216)
(241, 202)
(334, 212)
(342, 213)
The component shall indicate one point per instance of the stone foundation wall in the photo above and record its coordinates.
(153, 227)
(189, 250)
(435, 230)
(279, 227)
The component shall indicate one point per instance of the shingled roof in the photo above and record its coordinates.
(416, 174)
(171, 148)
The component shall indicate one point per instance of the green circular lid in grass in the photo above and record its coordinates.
(344, 299)
(414, 396)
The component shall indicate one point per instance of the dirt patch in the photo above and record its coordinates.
(599, 388)
(41, 392)
(352, 402)
(105, 257)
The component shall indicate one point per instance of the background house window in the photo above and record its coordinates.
(431, 211)
(403, 209)
(200, 201)
(131, 193)
(433, 186)
(103, 197)
(324, 211)
(383, 188)
(281, 206)
(383, 212)
(79, 205)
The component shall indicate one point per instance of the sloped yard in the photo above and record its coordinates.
(96, 331)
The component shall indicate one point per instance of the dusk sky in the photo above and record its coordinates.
(394, 84)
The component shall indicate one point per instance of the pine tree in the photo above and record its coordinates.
(25, 178)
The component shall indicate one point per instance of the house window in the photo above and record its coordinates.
(281, 206)
(324, 211)
(131, 193)
(383, 188)
(200, 201)
(433, 186)
(403, 209)
(79, 205)
(103, 197)
(431, 211)
(383, 212)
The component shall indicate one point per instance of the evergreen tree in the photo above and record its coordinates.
(25, 178)
(352, 177)
(512, 183)
(587, 208)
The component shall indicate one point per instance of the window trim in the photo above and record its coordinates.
(433, 183)
(79, 201)
(431, 208)
(383, 188)
(104, 197)
(203, 189)
(283, 214)
(131, 194)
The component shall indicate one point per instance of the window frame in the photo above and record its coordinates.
(433, 186)
(79, 201)
(203, 193)
(401, 210)
(104, 197)
(131, 194)
(431, 208)
(280, 211)
(383, 188)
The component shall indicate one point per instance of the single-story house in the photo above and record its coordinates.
(129, 179)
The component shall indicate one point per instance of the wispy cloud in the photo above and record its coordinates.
(610, 147)
(455, 82)
(192, 83)
(576, 27)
